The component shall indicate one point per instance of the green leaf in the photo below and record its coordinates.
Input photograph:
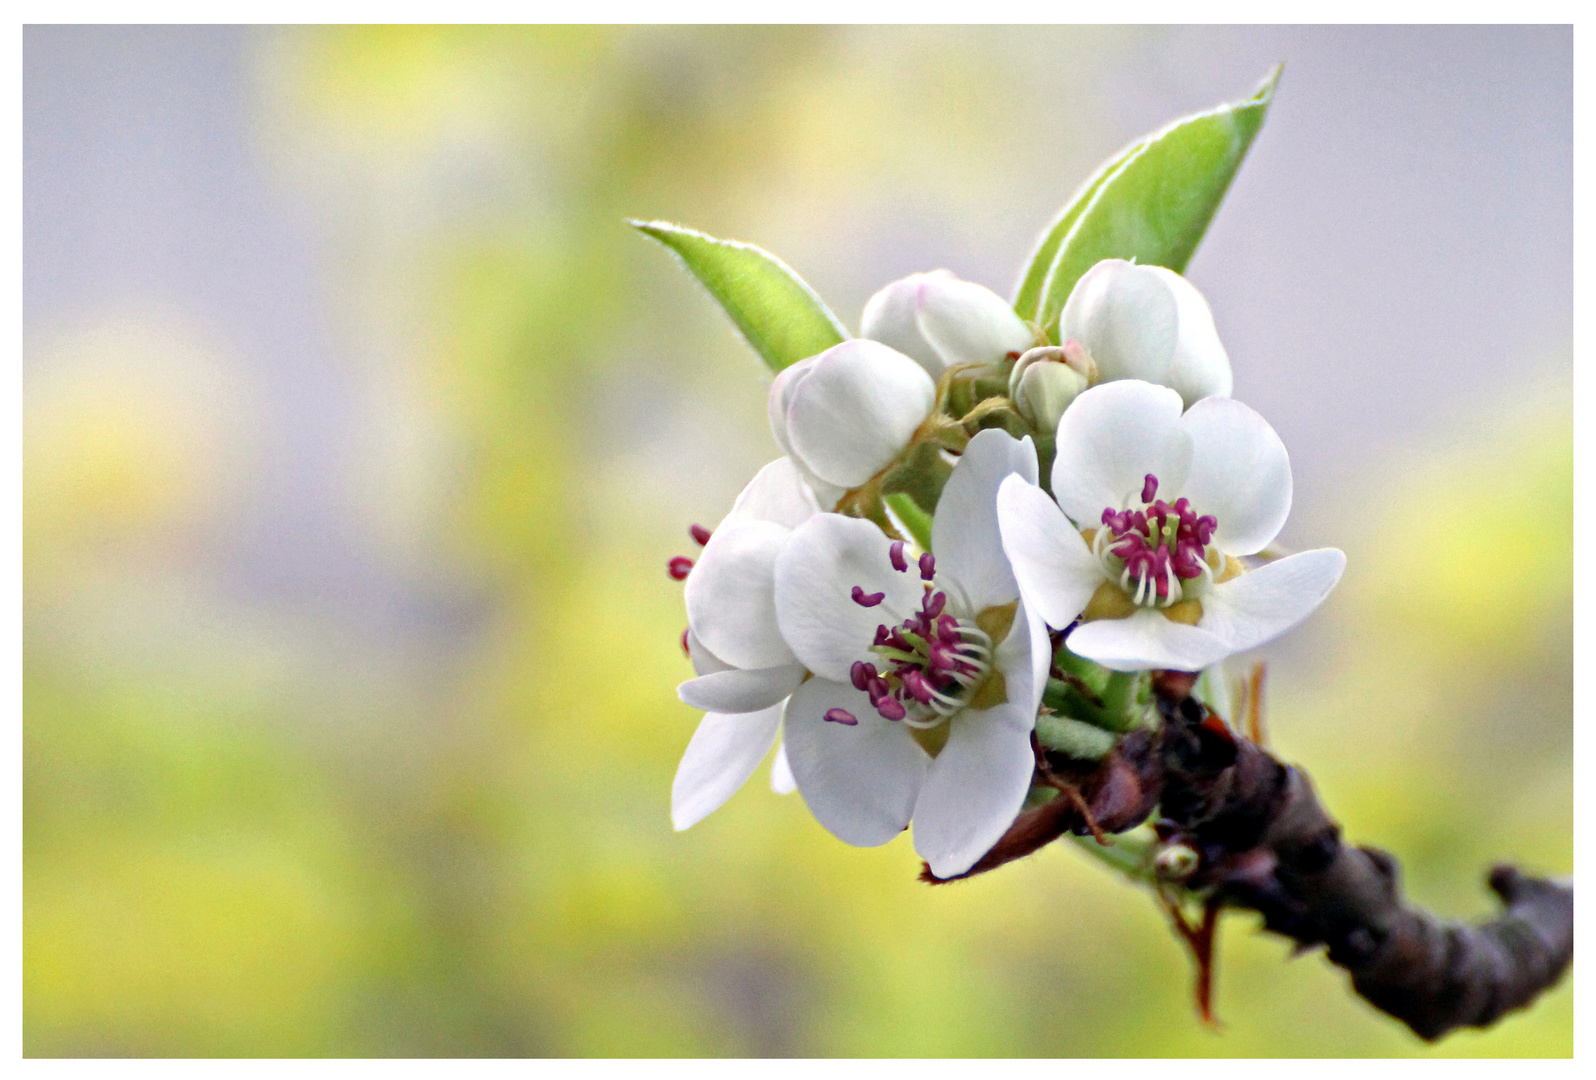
(1029, 296)
(1154, 202)
(775, 310)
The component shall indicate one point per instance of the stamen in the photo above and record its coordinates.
(928, 566)
(918, 688)
(864, 599)
(1151, 551)
(679, 567)
(861, 674)
(700, 534)
(895, 553)
(842, 716)
(685, 649)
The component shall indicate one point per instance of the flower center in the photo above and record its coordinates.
(1154, 551)
(931, 663)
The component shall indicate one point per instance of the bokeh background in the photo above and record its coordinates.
(359, 429)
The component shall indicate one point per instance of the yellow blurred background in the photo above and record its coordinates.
(350, 656)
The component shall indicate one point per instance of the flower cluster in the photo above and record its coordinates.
(1111, 510)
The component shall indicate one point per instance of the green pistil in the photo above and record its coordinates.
(916, 640)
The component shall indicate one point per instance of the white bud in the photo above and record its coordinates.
(1149, 323)
(941, 321)
(1044, 382)
(844, 415)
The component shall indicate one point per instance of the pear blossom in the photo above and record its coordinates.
(927, 672)
(1153, 510)
(744, 671)
(942, 321)
(1149, 323)
(845, 414)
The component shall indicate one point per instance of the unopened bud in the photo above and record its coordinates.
(1044, 382)
(1079, 358)
(1148, 323)
(1177, 862)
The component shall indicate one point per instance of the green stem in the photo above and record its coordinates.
(1122, 699)
(916, 520)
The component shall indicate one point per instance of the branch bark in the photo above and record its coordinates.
(1266, 844)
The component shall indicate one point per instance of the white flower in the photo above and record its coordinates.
(942, 321)
(744, 669)
(1152, 509)
(927, 674)
(845, 414)
(1146, 322)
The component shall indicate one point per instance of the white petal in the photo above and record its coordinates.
(1261, 604)
(780, 398)
(777, 493)
(964, 533)
(1056, 571)
(1128, 319)
(889, 317)
(741, 691)
(704, 662)
(1200, 368)
(823, 560)
(731, 598)
(722, 755)
(856, 410)
(1024, 657)
(967, 323)
(1109, 440)
(1239, 473)
(1147, 640)
(781, 778)
(859, 781)
(974, 788)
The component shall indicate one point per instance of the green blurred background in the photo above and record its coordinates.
(359, 429)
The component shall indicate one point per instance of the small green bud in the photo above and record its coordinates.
(1043, 384)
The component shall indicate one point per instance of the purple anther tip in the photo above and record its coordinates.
(1149, 488)
(899, 563)
(858, 676)
(685, 649)
(917, 686)
(679, 567)
(889, 708)
(842, 716)
(699, 534)
(934, 606)
(864, 599)
(928, 566)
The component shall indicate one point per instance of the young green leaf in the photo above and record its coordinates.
(1029, 295)
(1154, 202)
(781, 317)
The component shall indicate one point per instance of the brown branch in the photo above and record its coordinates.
(1266, 844)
